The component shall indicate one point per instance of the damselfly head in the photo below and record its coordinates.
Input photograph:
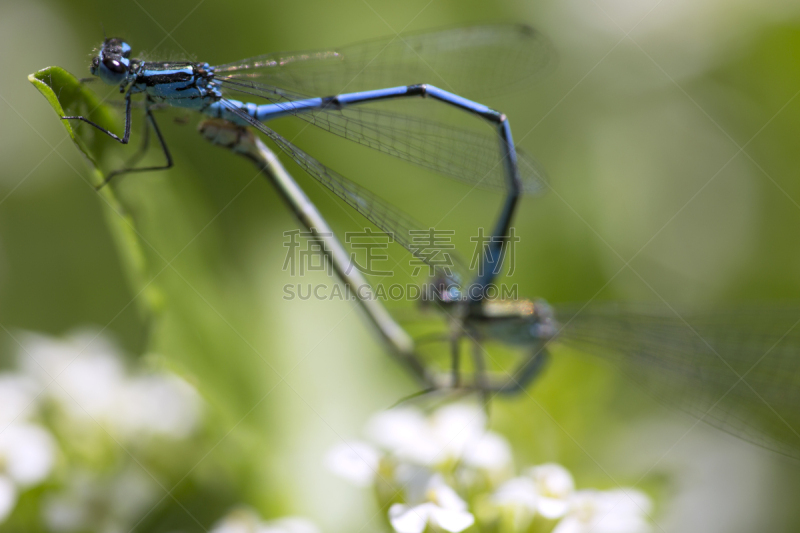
(112, 63)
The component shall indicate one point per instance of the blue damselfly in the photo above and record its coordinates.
(474, 61)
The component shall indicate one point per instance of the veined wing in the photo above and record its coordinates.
(469, 155)
(389, 219)
(736, 369)
(475, 61)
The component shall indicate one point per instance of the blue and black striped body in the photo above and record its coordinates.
(193, 85)
(187, 85)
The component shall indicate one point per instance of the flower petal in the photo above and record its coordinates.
(570, 524)
(450, 519)
(396, 428)
(555, 486)
(458, 426)
(405, 432)
(8, 497)
(405, 519)
(17, 397)
(90, 372)
(517, 492)
(354, 461)
(552, 508)
(444, 496)
(628, 501)
(553, 479)
(161, 404)
(294, 524)
(622, 511)
(415, 480)
(614, 511)
(489, 452)
(242, 520)
(28, 452)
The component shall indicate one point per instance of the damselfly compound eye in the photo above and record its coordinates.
(114, 65)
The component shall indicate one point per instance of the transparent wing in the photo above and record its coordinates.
(738, 369)
(476, 61)
(469, 155)
(473, 62)
(389, 219)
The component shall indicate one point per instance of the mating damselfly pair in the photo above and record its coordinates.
(737, 369)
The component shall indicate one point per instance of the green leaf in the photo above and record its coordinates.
(68, 96)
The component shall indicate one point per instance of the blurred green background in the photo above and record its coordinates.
(669, 131)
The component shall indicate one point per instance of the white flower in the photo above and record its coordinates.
(160, 404)
(244, 520)
(237, 521)
(458, 427)
(93, 385)
(88, 373)
(489, 452)
(554, 485)
(354, 461)
(442, 508)
(415, 481)
(17, 398)
(520, 491)
(403, 432)
(289, 524)
(455, 432)
(8, 497)
(545, 490)
(617, 511)
(27, 453)
(92, 502)
(520, 498)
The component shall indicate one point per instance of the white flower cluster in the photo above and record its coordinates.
(103, 503)
(87, 379)
(244, 520)
(27, 450)
(447, 472)
(79, 386)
